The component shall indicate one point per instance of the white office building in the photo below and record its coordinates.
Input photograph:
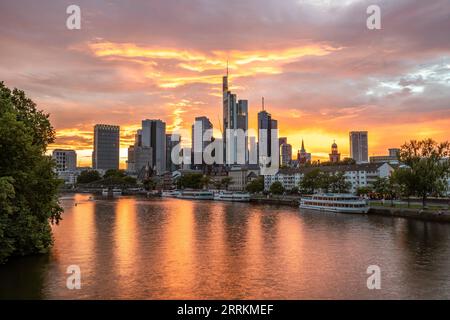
(358, 175)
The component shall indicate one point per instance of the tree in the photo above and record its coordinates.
(226, 181)
(387, 187)
(129, 180)
(310, 182)
(276, 188)
(190, 181)
(28, 184)
(149, 184)
(206, 181)
(324, 181)
(429, 166)
(114, 173)
(338, 183)
(257, 185)
(294, 191)
(364, 191)
(405, 179)
(88, 176)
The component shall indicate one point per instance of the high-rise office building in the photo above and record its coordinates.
(154, 136)
(170, 165)
(131, 164)
(267, 123)
(106, 147)
(285, 152)
(235, 117)
(66, 160)
(359, 146)
(200, 126)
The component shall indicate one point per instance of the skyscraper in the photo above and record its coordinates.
(235, 116)
(106, 147)
(285, 152)
(154, 136)
(200, 126)
(267, 123)
(170, 165)
(66, 160)
(359, 149)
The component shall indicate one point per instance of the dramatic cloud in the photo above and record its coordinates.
(321, 71)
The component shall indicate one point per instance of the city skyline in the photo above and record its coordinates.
(321, 71)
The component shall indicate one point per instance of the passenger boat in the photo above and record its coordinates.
(117, 192)
(196, 195)
(232, 196)
(114, 192)
(343, 203)
(170, 194)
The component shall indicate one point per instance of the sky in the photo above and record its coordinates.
(321, 71)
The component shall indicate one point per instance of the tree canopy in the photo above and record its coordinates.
(28, 184)
(256, 185)
(276, 188)
(427, 167)
(88, 176)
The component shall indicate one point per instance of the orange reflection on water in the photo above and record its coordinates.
(179, 249)
(79, 213)
(125, 240)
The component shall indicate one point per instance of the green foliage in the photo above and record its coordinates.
(362, 191)
(388, 188)
(344, 162)
(226, 182)
(28, 185)
(256, 185)
(114, 173)
(129, 180)
(337, 183)
(276, 188)
(327, 182)
(190, 181)
(428, 168)
(150, 184)
(294, 191)
(88, 176)
(310, 182)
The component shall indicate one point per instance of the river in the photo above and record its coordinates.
(135, 248)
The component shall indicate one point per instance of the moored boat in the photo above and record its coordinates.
(196, 195)
(343, 203)
(170, 193)
(232, 196)
(111, 192)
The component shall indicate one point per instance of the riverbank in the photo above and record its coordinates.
(293, 201)
(418, 213)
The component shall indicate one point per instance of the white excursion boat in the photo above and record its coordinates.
(114, 192)
(170, 194)
(344, 203)
(196, 195)
(232, 196)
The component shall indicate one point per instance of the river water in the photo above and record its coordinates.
(135, 248)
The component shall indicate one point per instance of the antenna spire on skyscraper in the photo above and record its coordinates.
(262, 103)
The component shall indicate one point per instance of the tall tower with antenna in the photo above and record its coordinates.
(235, 116)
